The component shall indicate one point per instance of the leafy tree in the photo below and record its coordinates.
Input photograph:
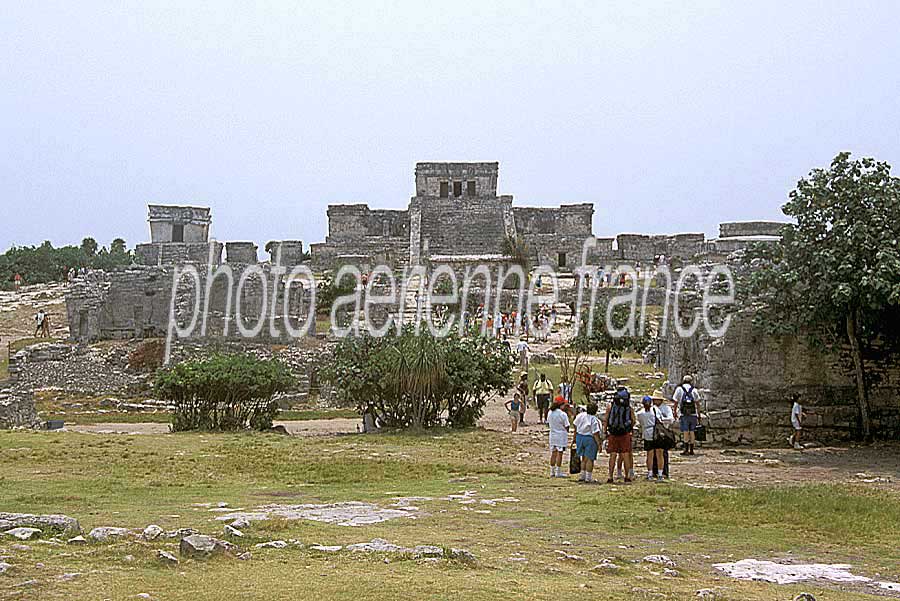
(117, 247)
(223, 392)
(597, 334)
(835, 275)
(418, 380)
(89, 247)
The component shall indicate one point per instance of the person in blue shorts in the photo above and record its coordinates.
(587, 441)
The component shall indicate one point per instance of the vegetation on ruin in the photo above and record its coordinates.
(415, 380)
(835, 275)
(44, 263)
(133, 481)
(223, 392)
(614, 336)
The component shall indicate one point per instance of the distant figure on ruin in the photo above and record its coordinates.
(17, 280)
(39, 322)
(45, 327)
(797, 417)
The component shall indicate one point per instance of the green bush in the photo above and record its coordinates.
(418, 380)
(223, 392)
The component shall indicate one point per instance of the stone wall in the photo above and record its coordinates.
(747, 378)
(17, 409)
(750, 228)
(171, 253)
(192, 221)
(241, 252)
(431, 176)
(464, 226)
(137, 303)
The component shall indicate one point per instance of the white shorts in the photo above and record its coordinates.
(556, 448)
(796, 424)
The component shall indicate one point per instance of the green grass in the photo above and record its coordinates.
(136, 480)
(163, 417)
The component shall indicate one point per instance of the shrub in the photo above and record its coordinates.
(418, 380)
(223, 392)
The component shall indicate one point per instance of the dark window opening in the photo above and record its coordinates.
(445, 189)
(471, 186)
(561, 260)
(178, 233)
(457, 189)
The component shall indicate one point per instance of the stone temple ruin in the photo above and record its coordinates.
(456, 218)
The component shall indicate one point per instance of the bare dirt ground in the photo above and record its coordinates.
(17, 311)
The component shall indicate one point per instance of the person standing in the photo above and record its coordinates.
(39, 323)
(17, 281)
(648, 418)
(667, 417)
(797, 417)
(558, 421)
(522, 350)
(687, 398)
(618, 424)
(513, 407)
(543, 390)
(587, 441)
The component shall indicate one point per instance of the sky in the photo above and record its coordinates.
(668, 116)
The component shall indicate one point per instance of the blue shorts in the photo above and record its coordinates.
(586, 446)
(689, 423)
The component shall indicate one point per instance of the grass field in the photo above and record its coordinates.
(133, 481)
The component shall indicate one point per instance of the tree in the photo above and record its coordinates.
(835, 275)
(117, 247)
(612, 336)
(417, 380)
(89, 247)
(224, 392)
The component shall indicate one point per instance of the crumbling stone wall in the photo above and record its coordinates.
(137, 303)
(241, 252)
(17, 409)
(171, 253)
(747, 378)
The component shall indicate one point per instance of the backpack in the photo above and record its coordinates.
(620, 418)
(688, 402)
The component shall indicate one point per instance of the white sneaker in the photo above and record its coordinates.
(649, 476)
(797, 446)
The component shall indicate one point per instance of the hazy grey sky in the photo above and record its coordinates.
(668, 116)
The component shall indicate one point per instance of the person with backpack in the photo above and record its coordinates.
(687, 399)
(618, 424)
(667, 417)
(543, 390)
(648, 419)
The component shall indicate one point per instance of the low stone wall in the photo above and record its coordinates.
(17, 410)
(746, 380)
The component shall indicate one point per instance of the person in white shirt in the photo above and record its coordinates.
(522, 350)
(687, 398)
(587, 441)
(797, 417)
(558, 421)
(647, 418)
(667, 417)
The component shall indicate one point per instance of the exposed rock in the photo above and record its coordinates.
(240, 524)
(769, 571)
(152, 532)
(23, 533)
(20, 547)
(77, 540)
(181, 533)
(246, 556)
(272, 544)
(233, 532)
(605, 565)
(671, 573)
(326, 548)
(378, 545)
(351, 513)
(462, 555)
(69, 576)
(706, 594)
(167, 558)
(200, 546)
(428, 551)
(563, 556)
(5, 567)
(104, 534)
(661, 560)
(44, 522)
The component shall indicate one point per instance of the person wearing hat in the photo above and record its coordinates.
(647, 419)
(687, 399)
(618, 423)
(668, 418)
(558, 420)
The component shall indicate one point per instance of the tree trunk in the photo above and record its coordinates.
(607, 361)
(861, 392)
